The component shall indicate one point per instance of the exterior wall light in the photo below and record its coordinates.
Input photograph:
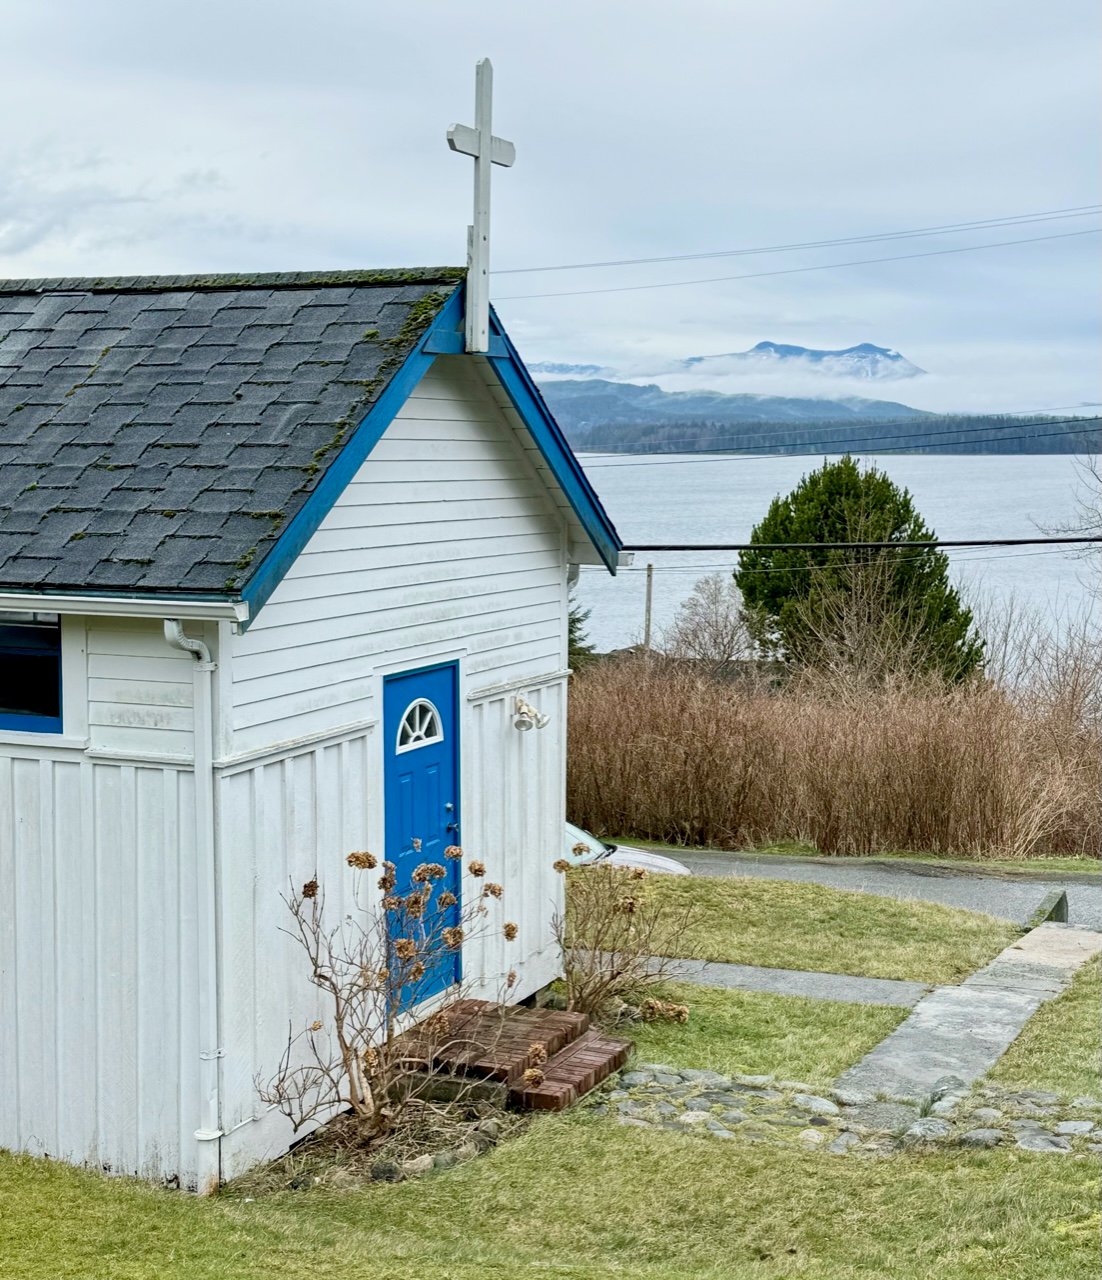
(525, 716)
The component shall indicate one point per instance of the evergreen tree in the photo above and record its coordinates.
(848, 602)
(579, 650)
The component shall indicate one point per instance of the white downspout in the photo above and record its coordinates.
(209, 1133)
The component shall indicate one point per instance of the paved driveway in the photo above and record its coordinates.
(1008, 897)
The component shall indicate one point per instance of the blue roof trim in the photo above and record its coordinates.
(304, 524)
(551, 442)
(527, 401)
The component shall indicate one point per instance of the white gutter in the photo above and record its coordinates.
(122, 606)
(209, 1133)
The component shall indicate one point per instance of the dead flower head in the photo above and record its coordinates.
(391, 902)
(427, 872)
(580, 850)
(438, 1024)
(315, 1025)
(454, 852)
(453, 937)
(405, 948)
(362, 861)
(533, 1076)
(310, 889)
(560, 865)
(446, 899)
(627, 906)
(638, 873)
(537, 1054)
(511, 978)
(492, 890)
(476, 868)
(387, 880)
(510, 930)
(370, 1061)
(416, 971)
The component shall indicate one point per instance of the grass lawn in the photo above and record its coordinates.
(754, 1033)
(582, 1198)
(1060, 1046)
(800, 849)
(785, 924)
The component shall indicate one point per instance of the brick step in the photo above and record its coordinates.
(572, 1072)
(490, 1041)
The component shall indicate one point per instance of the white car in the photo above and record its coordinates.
(582, 848)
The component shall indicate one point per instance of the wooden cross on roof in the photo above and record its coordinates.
(487, 150)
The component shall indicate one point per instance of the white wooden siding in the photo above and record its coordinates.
(447, 537)
(139, 689)
(98, 971)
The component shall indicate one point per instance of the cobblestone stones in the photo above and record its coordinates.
(849, 1122)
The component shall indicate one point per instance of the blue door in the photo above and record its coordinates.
(421, 799)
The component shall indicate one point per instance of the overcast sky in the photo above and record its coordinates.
(155, 137)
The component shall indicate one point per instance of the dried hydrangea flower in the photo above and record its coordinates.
(315, 1025)
(310, 889)
(391, 902)
(416, 845)
(627, 906)
(537, 1054)
(511, 978)
(364, 861)
(560, 865)
(446, 899)
(417, 971)
(428, 871)
(510, 930)
(638, 873)
(405, 948)
(492, 890)
(454, 852)
(453, 937)
(387, 880)
(580, 850)
(533, 1076)
(476, 868)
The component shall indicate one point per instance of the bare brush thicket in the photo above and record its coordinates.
(856, 752)
(371, 969)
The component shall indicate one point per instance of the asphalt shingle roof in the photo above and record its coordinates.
(156, 433)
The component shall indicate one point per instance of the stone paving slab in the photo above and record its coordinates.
(963, 1031)
(795, 982)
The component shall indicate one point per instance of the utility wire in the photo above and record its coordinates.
(790, 271)
(1010, 220)
(925, 543)
(755, 452)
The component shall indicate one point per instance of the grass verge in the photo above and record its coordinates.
(582, 1198)
(783, 924)
(756, 1033)
(1060, 1046)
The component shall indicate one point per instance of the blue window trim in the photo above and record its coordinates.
(526, 399)
(28, 722)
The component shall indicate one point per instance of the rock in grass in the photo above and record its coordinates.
(816, 1105)
(417, 1166)
(754, 1082)
(843, 1142)
(1043, 1142)
(810, 1137)
(883, 1117)
(633, 1079)
(445, 1159)
(986, 1114)
(703, 1077)
(852, 1097)
(1071, 1128)
(928, 1129)
(982, 1138)
(386, 1171)
(947, 1085)
(946, 1106)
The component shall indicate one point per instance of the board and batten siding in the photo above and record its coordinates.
(98, 992)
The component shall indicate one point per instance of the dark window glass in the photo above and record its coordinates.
(30, 671)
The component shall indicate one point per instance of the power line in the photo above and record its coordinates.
(1009, 220)
(810, 566)
(925, 543)
(790, 271)
(753, 452)
(838, 426)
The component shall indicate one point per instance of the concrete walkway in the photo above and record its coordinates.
(1008, 897)
(961, 1032)
(795, 982)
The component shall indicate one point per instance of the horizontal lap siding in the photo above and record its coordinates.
(445, 541)
(99, 1054)
(139, 688)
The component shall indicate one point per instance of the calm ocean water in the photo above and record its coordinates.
(720, 500)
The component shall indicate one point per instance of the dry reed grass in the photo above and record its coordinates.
(660, 751)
